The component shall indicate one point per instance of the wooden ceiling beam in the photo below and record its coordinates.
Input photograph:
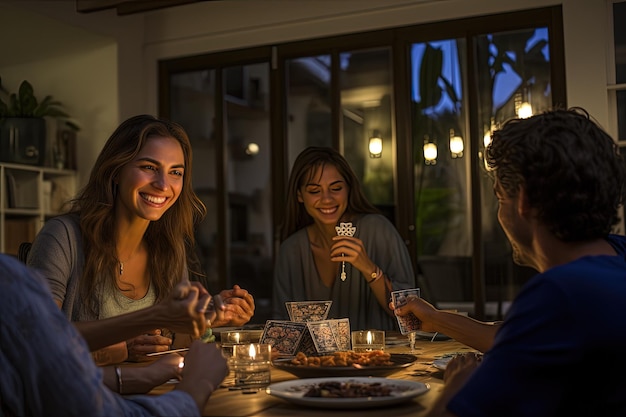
(125, 7)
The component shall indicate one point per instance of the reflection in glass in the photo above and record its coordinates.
(308, 104)
(193, 106)
(366, 98)
(621, 115)
(248, 181)
(512, 67)
(441, 168)
(619, 33)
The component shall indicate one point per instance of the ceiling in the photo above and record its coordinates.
(125, 7)
(36, 37)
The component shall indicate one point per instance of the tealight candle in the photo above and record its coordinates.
(368, 340)
(234, 337)
(251, 364)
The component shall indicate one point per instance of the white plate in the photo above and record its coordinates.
(431, 336)
(442, 363)
(293, 391)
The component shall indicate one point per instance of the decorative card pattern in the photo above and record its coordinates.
(284, 336)
(311, 338)
(305, 311)
(408, 323)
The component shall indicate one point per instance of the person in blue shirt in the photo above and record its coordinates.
(560, 182)
(47, 369)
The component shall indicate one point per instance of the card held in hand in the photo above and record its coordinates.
(408, 323)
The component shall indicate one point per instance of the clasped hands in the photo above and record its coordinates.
(188, 309)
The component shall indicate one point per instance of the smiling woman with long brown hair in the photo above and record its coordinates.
(115, 258)
(356, 272)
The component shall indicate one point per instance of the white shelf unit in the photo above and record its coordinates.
(29, 195)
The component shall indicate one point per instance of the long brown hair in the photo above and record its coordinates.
(304, 167)
(170, 238)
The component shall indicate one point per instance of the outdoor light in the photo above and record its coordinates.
(430, 152)
(252, 149)
(456, 145)
(523, 109)
(376, 145)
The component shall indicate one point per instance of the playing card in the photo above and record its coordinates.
(305, 311)
(408, 323)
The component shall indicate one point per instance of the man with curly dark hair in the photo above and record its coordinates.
(560, 183)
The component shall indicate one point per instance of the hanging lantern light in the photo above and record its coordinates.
(456, 145)
(430, 152)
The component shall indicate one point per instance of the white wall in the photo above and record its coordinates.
(86, 86)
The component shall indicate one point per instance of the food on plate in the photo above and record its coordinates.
(345, 358)
(348, 389)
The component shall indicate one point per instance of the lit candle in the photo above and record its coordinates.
(368, 340)
(251, 364)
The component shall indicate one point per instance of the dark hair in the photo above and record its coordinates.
(171, 237)
(304, 167)
(570, 168)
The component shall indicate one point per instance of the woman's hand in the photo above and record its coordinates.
(238, 308)
(151, 342)
(142, 379)
(351, 249)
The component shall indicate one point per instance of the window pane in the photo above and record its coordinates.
(366, 99)
(308, 104)
(441, 167)
(248, 182)
(619, 31)
(621, 114)
(513, 69)
(193, 106)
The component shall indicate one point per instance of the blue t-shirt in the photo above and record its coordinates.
(561, 350)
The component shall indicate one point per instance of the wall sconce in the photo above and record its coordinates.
(376, 145)
(456, 145)
(252, 149)
(430, 152)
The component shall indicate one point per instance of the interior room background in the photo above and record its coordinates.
(412, 73)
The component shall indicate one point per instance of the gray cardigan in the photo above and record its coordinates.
(57, 252)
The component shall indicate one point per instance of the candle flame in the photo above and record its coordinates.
(369, 338)
(252, 351)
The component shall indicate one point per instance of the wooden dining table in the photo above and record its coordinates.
(231, 401)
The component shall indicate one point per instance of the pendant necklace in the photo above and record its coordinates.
(344, 229)
(121, 263)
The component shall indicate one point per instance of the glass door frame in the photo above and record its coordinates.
(399, 40)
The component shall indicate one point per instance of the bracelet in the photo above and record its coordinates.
(376, 275)
(118, 372)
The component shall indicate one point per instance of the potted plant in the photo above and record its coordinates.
(23, 127)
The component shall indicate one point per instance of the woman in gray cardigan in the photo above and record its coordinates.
(336, 246)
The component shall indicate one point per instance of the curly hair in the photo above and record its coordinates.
(171, 237)
(570, 168)
(304, 167)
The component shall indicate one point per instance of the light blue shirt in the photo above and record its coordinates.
(46, 366)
